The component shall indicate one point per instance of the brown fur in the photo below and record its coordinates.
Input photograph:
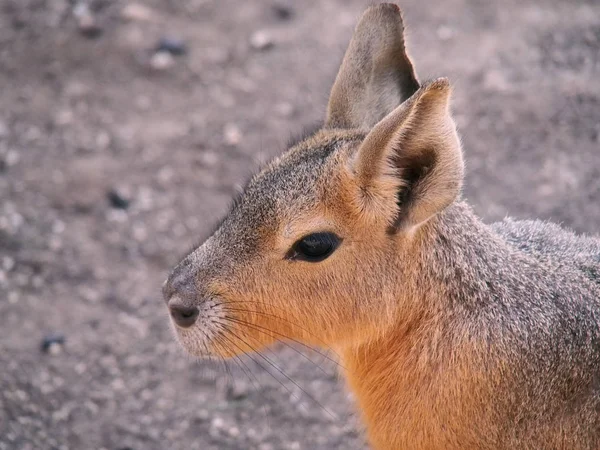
(453, 333)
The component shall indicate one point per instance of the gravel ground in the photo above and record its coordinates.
(125, 128)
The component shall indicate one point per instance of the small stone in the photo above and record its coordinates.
(76, 89)
(445, 33)
(58, 227)
(202, 415)
(216, 55)
(3, 129)
(137, 12)
(63, 117)
(261, 40)
(237, 392)
(284, 109)
(103, 140)
(266, 446)
(208, 159)
(53, 343)
(174, 46)
(232, 134)
(217, 423)
(13, 297)
(12, 158)
(90, 295)
(139, 233)
(283, 11)
(8, 263)
(86, 22)
(89, 28)
(118, 199)
(37, 282)
(143, 102)
(161, 61)
(165, 175)
(496, 81)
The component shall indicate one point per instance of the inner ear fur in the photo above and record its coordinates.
(376, 74)
(410, 166)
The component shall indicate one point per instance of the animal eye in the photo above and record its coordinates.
(314, 247)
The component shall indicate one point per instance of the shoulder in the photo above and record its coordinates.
(551, 242)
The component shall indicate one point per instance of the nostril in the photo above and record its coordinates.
(184, 316)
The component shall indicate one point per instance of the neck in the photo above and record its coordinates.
(407, 381)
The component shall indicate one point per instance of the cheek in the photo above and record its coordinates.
(339, 291)
(319, 292)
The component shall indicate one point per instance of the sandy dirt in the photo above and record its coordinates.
(115, 161)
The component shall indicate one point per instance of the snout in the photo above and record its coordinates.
(183, 315)
(180, 295)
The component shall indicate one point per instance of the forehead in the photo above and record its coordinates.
(288, 186)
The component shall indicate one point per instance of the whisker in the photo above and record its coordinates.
(225, 329)
(267, 331)
(283, 374)
(243, 365)
(226, 308)
(221, 361)
(247, 371)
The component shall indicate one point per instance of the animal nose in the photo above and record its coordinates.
(184, 316)
(181, 283)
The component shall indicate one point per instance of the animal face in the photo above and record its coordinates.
(318, 247)
(290, 251)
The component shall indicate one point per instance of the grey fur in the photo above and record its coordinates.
(527, 293)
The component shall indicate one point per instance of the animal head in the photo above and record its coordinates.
(318, 248)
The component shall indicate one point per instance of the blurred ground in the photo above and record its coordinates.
(115, 161)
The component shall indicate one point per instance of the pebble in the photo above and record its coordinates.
(63, 117)
(208, 158)
(137, 12)
(216, 55)
(118, 198)
(12, 158)
(53, 343)
(86, 22)
(8, 263)
(237, 392)
(232, 134)
(261, 40)
(266, 446)
(445, 33)
(165, 175)
(89, 27)
(202, 415)
(76, 89)
(103, 140)
(3, 129)
(174, 46)
(284, 109)
(143, 102)
(283, 11)
(496, 80)
(161, 61)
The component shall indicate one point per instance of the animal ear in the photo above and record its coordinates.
(410, 166)
(376, 74)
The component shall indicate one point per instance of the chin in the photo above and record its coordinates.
(194, 342)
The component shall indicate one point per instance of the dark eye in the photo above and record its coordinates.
(314, 247)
